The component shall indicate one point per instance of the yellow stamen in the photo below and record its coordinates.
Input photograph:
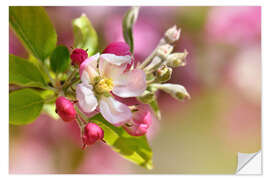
(104, 85)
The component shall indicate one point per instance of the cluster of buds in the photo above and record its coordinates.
(91, 132)
(158, 68)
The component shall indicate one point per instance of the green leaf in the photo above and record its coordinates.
(49, 109)
(24, 73)
(60, 60)
(134, 149)
(25, 106)
(127, 24)
(85, 36)
(49, 106)
(34, 28)
(40, 65)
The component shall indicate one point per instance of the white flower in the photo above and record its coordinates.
(106, 73)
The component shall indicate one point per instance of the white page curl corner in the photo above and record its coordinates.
(249, 163)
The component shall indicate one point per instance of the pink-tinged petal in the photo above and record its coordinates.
(118, 48)
(86, 98)
(112, 66)
(89, 67)
(128, 101)
(89, 114)
(130, 84)
(113, 111)
(141, 121)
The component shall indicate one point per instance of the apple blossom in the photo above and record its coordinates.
(102, 75)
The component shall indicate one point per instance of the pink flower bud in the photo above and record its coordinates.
(78, 56)
(141, 121)
(92, 133)
(65, 109)
(119, 49)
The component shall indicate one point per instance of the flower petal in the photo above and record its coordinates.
(114, 112)
(86, 98)
(112, 66)
(116, 60)
(130, 84)
(88, 69)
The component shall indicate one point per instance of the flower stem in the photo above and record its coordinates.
(151, 56)
(151, 81)
(71, 83)
(46, 70)
(80, 124)
(50, 99)
(80, 114)
(67, 82)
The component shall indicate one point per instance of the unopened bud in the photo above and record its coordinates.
(155, 64)
(172, 34)
(78, 56)
(164, 74)
(65, 109)
(175, 90)
(160, 56)
(147, 97)
(177, 59)
(164, 50)
(92, 133)
(120, 49)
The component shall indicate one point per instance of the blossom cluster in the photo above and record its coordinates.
(114, 84)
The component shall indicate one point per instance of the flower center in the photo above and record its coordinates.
(104, 85)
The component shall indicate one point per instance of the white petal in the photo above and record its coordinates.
(116, 60)
(86, 98)
(130, 84)
(89, 68)
(114, 111)
(85, 78)
(112, 66)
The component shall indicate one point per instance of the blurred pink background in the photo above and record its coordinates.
(202, 135)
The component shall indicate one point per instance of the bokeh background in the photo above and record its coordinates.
(201, 135)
